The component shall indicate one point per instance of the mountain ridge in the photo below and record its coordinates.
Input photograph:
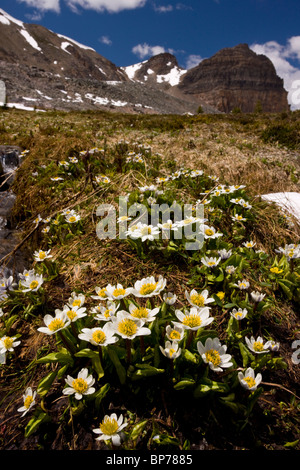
(45, 70)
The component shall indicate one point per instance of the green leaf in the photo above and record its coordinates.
(186, 354)
(186, 383)
(145, 370)
(246, 355)
(45, 384)
(137, 429)
(291, 444)
(100, 394)
(206, 386)
(60, 356)
(121, 371)
(35, 422)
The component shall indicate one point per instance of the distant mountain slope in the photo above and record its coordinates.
(45, 70)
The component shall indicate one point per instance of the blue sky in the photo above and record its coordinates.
(129, 31)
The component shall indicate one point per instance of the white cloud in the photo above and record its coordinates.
(144, 50)
(286, 60)
(43, 5)
(193, 60)
(163, 9)
(105, 40)
(112, 6)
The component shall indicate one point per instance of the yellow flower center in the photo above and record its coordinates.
(76, 303)
(98, 336)
(42, 255)
(107, 312)
(127, 327)
(28, 401)
(118, 292)
(197, 299)
(148, 288)
(192, 320)
(102, 293)
(171, 351)
(109, 426)
(243, 284)
(56, 324)
(258, 346)
(238, 315)
(209, 232)
(250, 381)
(140, 312)
(146, 230)
(72, 218)
(33, 284)
(71, 314)
(174, 334)
(211, 263)
(8, 342)
(221, 295)
(213, 356)
(80, 385)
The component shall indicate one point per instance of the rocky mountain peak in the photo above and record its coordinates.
(236, 77)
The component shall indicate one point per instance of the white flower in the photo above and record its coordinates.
(210, 262)
(257, 296)
(273, 346)
(29, 401)
(56, 323)
(76, 300)
(225, 254)
(198, 300)
(167, 226)
(32, 282)
(291, 251)
(230, 269)
(248, 380)
(171, 350)
(214, 354)
(8, 343)
(210, 232)
(145, 232)
(1, 312)
(239, 313)
(101, 293)
(73, 313)
(189, 221)
(117, 292)
(238, 218)
(249, 244)
(169, 298)
(127, 327)
(80, 386)
(142, 313)
(148, 287)
(72, 218)
(37, 219)
(242, 285)
(102, 179)
(175, 333)
(257, 345)
(41, 255)
(111, 429)
(99, 336)
(104, 313)
(57, 178)
(7, 283)
(194, 319)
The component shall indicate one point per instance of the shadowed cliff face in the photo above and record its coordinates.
(236, 77)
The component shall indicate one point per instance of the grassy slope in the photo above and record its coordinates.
(261, 152)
